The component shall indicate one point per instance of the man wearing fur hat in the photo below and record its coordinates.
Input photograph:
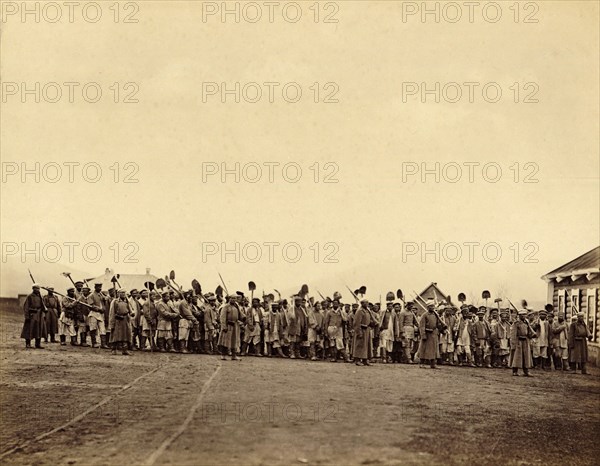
(360, 344)
(52, 304)
(230, 328)
(541, 358)
(120, 329)
(560, 343)
(34, 327)
(578, 351)
(520, 344)
(430, 326)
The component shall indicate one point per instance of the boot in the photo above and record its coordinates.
(114, 348)
(583, 369)
(345, 356)
(161, 345)
(313, 352)
(142, 346)
(38, 343)
(93, 336)
(169, 344)
(565, 366)
(27, 344)
(257, 351)
(293, 350)
(83, 338)
(334, 354)
(280, 353)
(182, 345)
(52, 338)
(74, 341)
(245, 348)
(487, 362)
(269, 350)
(103, 344)
(124, 351)
(63, 340)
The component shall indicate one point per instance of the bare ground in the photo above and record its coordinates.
(195, 409)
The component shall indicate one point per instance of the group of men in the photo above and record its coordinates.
(364, 332)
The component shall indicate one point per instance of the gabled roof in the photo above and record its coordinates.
(588, 263)
(431, 291)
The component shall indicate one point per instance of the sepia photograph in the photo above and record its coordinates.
(348, 232)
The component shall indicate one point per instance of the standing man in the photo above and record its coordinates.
(187, 321)
(361, 343)
(34, 327)
(315, 329)
(333, 324)
(481, 331)
(82, 315)
(66, 322)
(429, 329)
(253, 329)
(386, 333)
(95, 318)
(149, 321)
(120, 329)
(464, 338)
(52, 304)
(560, 343)
(520, 344)
(164, 335)
(448, 337)
(230, 328)
(406, 325)
(578, 352)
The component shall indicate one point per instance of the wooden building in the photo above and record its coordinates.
(574, 287)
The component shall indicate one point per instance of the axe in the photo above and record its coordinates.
(64, 274)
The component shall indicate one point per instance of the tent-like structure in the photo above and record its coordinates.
(127, 281)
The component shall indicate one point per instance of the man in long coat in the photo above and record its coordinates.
(118, 322)
(578, 352)
(361, 343)
(230, 328)
(520, 344)
(34, 327)
(52, 304)
(429, 329)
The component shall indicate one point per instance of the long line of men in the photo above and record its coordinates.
(301, 328)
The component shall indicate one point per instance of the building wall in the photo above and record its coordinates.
(586, 296)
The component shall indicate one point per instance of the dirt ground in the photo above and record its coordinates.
(66, 405)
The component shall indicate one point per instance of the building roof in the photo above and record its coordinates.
(586, 264)
(128, 281)
(432, 291)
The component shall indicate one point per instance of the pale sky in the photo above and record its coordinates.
(369, 134)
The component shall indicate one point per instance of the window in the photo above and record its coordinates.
(590, 317)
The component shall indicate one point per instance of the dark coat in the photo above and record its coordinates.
(35, 322)
(120, 329)
(52, 303)
(578, 333)
(520, 347)
(360, 343)
(230, 326)
(429, 326)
